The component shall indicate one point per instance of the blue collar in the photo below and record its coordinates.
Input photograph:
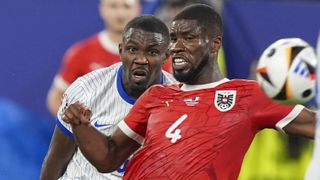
(121, 90)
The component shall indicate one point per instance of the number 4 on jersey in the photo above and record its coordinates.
(176, 134)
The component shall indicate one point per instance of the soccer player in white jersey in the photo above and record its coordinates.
(313, 172)
(110, 93)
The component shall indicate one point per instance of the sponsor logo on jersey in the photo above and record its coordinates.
(192, 102)
(98, 125)
(224, 100)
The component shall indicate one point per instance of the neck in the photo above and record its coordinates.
(209, 74)
(115, 36)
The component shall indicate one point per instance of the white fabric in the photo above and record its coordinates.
(107, 44)
(188, 87)
(313, 172)
(290, 117)
(98, 90)
(130, 133)
(60, 83)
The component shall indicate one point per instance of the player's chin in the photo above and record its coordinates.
(139, 83)
(182, 76)
(139, 80)
(140, 87)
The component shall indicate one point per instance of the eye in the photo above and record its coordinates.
(173, 38)
(153, 52)
(127, 6)
(189, 38)
(132, 50)
(113, 5)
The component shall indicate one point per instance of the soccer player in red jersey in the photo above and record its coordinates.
(200, 129)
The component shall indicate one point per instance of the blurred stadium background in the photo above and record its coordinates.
(35, 34)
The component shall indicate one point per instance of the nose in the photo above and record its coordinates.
(141, 59)
(176, 46)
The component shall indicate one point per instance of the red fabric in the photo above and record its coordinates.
(212, 143)
(85, 57)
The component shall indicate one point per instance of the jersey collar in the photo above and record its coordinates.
(123, 94)
(188, 87)
(107, 44)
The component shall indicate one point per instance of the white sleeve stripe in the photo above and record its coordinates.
(290, 117)
(130, 133)
(60, 83)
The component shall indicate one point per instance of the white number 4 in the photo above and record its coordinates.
(176, 134)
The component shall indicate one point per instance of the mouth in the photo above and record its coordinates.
(179, 63)
(140, 75)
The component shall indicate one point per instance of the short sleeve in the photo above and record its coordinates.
(267, 113)
(70, 69)
(74, 93)
(135, 123)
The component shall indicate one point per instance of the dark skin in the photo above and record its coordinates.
(142, 55)
(188, 39)
(198, 49)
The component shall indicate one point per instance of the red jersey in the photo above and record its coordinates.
(199, 133)
(95, 52)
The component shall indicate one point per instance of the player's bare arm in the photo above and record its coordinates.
(303, 125)
(60, 153)
(106, 153)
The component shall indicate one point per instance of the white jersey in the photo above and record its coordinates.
(313, 172)
(102, 91)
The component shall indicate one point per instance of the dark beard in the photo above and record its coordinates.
(190, 76)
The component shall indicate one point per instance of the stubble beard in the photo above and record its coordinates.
(191, 75)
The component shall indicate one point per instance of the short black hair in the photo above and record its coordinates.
(206, 17)
(149, 23)
(183, 3)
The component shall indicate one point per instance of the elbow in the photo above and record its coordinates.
(103, 165)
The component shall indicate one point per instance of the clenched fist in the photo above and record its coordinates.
(76, 114)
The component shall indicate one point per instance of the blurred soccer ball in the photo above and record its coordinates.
(286, 71)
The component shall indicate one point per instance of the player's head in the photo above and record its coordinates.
(172, 7)
(143, 50)
(196, 35)
(117, 13)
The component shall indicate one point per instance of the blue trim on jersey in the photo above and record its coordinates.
(121, 90)
(64, 129)
(161, 79)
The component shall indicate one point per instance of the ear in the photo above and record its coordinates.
(216, 44)
(120, 48)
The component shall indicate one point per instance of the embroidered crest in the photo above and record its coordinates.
(224, 100)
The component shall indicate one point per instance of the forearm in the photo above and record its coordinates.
(96, 147)
(52, 169)
(60, 152)
(304, 124)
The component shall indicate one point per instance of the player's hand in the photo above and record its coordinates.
(76, 114)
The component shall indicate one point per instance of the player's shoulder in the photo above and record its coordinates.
(242, 83)
(100, 77)
(84, 44)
